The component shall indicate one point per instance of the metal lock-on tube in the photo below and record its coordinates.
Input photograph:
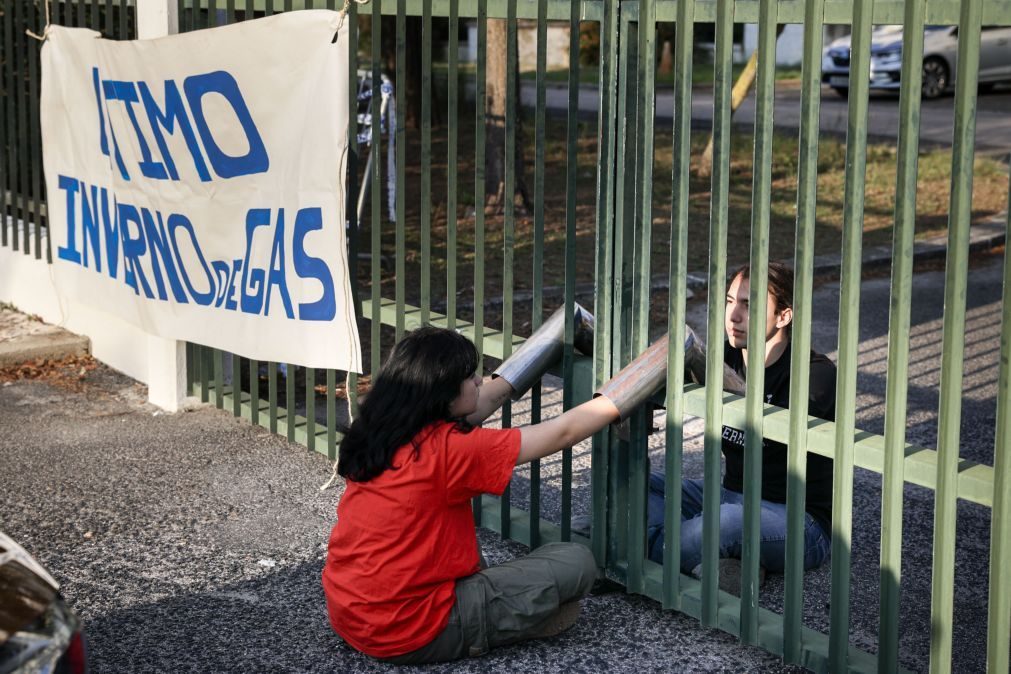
(543, 349)
(647, 374)
(695, 365)
(638, 380)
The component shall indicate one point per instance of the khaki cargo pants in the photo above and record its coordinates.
(509, 602)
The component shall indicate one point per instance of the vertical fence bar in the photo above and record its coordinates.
(892, 481)
(206, 371)
(375, 347)
(310, 408)
(354, 226)
(272, 395)
(849, 322)
(183, 18)
(537, 309)
(625, 181)
(999, 605)
(21, 193)
(953, 340)
(237, 385)
(452, 124)
(230, 12)
(800, 366)
(194, 365)
(331, 413)
(290, 372)
(219, 376)
(254, 392)
(677, 295)
(642, 235)
(212, 13)
(123, 29)
(426, 159)
(479, 172)
(572, 177)
(13, 112)
(6, 84)
(191, 361)
(509, 229)
(716, 309)
(400, 92)
(35, 158)
(760, 219)
(604, 265)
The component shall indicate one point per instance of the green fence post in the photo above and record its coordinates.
(677, 296)
(999, 618)
(800, 366)
(759, 260)
(953, 340)
(718, 225)
(604, 265)
(849, 321)
(893, 482)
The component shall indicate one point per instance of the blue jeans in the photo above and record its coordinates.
(772, 549)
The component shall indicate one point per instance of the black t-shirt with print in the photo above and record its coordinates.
(774, 454)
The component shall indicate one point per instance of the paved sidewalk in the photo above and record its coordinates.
(24, 338)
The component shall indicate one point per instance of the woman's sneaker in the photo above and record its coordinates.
(566, 617)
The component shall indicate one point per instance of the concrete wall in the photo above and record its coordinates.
(28, 284)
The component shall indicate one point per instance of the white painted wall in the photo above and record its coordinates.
(28, 284)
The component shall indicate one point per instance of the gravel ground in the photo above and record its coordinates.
(195, 542)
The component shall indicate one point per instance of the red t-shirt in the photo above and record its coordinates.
(404, 538)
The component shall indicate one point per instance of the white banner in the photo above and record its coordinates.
(196, 184)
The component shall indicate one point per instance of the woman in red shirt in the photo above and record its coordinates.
(403, 579)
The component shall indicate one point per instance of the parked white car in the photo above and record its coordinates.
(940, 58)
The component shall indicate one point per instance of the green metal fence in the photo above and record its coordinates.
(455, 265)
(22, 189)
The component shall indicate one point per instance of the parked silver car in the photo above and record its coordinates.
(940, 57)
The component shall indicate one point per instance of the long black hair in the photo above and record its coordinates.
(413, 389)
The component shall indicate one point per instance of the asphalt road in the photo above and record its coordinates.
(993, 124)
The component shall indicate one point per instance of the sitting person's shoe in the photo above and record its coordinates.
(566, 617)
(730, 575)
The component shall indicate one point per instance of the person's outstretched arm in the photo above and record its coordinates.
(493, 394)
(565, 430)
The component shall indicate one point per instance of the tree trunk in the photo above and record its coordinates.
(742, 87)
(495, 116)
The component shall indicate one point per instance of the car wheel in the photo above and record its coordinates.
(935, 78)
(841, 92)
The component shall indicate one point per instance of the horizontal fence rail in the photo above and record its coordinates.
(482, 209)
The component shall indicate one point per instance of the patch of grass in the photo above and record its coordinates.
(990, 189)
